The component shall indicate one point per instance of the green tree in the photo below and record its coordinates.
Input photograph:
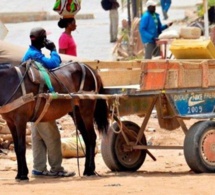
(200, 8)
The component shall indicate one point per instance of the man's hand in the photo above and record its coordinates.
(50, 45)
(170, 24)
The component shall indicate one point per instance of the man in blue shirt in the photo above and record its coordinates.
(150, 28)
(38, 41)
(45, 135)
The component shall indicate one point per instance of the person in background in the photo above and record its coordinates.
(211, 15)
(45, 135)
(66, 41)
(114, 21)
(165, 5)
(150, 28)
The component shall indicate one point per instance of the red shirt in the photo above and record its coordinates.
(67, 43)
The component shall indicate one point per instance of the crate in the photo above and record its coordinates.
(192, 49)
(117, 73)
(164, 74)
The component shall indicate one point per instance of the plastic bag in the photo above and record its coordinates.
(169, 34)
(70, 148)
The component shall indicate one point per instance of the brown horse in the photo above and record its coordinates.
(23, 98)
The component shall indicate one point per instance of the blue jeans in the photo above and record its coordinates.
(165, 5)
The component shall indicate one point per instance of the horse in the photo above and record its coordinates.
(25, 96)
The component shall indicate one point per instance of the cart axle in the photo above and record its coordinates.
(140, 147)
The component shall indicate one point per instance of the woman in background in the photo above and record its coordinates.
(66, 41)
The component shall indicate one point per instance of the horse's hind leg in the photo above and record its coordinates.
(84, 123)
(19, 138)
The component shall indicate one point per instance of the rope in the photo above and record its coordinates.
(78, 140)
(76, 131)
(116, 105)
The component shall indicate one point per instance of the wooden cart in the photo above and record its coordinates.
(179, 90)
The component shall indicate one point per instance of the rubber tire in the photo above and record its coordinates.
(193, 152)
(113, 141)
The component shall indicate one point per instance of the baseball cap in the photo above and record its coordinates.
(37, 32)
(151, 3)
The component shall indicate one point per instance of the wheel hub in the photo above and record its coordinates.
(208, 146)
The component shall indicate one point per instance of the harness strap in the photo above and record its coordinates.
(44, 79)
(17, 103)
(84, 75)
(20, 78)
(48, 102)
(42, 83)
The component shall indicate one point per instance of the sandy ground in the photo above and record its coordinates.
(170, 174)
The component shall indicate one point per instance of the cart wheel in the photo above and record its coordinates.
(112, 151)
(199, 147)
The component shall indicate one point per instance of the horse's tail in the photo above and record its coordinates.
(101, 114)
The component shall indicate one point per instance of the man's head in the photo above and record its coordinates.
(38, 37)
(151, 6)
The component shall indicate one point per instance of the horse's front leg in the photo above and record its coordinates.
(18, 132)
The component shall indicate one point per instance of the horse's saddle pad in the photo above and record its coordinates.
(34, 75)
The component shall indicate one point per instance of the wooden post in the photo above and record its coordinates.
(205, 4)
(129, 14)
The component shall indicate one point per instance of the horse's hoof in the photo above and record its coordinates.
(89, 173)
(22, 181)
(21, 178)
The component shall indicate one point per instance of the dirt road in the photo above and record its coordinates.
(170, 174)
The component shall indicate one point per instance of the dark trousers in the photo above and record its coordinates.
(151, 49)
